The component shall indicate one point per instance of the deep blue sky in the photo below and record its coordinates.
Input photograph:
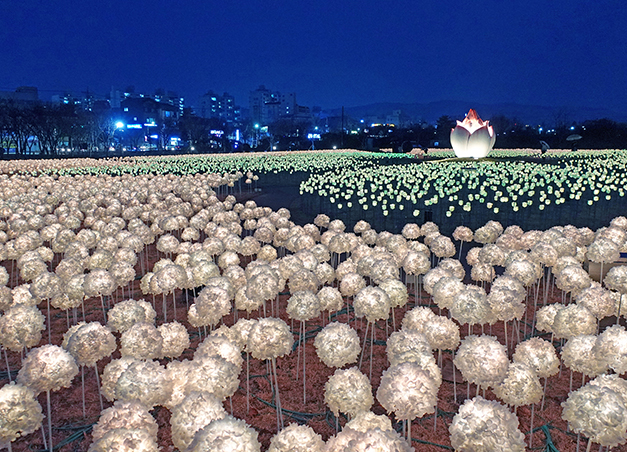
(330, 52)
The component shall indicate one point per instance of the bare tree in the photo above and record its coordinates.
(53, 126)
(17, 126)
(195, 130)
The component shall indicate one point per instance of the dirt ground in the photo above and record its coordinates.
(71, 430)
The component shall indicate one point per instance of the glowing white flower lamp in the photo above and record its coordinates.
(472, 137)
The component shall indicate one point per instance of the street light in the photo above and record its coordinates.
(120, 127)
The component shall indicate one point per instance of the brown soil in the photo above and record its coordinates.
(69, 423)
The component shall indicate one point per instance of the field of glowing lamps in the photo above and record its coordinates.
(151, 304)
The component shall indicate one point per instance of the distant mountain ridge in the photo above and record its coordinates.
(527, 114)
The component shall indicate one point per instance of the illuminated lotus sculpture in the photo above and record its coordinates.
(472, 137)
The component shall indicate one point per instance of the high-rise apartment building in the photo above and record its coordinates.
(267, 106)
(213, 105)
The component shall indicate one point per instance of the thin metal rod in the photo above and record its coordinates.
(104, 314)
(165, 312)
(174, 302)
(371, 345)
(98, 384)
(543, 395)
(363, 348)
(49, 421)
(6, 358)
(247, 382)
(302, 328)
(83, 387)
(454, 382)
(435, 416)
(533, 406)
(49, 324)
(278, 398)
(43, 435)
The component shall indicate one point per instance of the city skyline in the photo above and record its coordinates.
(342, 54)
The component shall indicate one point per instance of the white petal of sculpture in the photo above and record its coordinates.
(472, 137)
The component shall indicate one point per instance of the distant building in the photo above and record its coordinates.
(23, 94)
(147, 123)
(267, 106)
(223, 107)
(397, 118)
(116, 98)
(262, 104)
(210, 105)
(302, 113)
(65, 98)
(171, 98)
(84, 100)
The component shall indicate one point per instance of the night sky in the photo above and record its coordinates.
(331, 53)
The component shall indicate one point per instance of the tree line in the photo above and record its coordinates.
(48, 129)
